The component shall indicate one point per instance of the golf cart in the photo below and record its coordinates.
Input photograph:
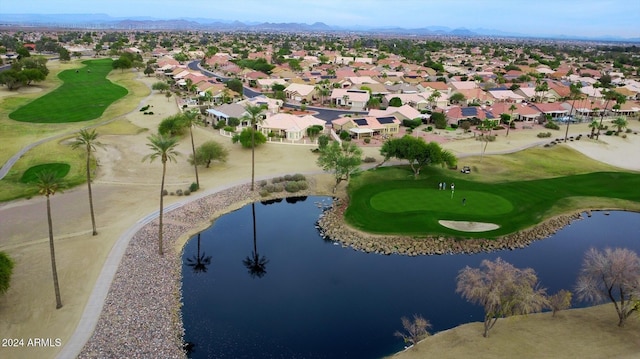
(466, 169)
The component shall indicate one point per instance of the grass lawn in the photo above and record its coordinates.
(389, 200)
(31, 174)
(85, 95)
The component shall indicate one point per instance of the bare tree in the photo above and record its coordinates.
(614, 275)
(502, 289)
(415, 330)
(560, 301)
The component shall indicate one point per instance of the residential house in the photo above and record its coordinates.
(355, 99)
(266, 84)
(288, 126)
(476, 96)
(226, 111)
(553, 109)
(404, 112)
(270, 105)
(506, 96)
(367, 126)
(300, 92)
(456, 114)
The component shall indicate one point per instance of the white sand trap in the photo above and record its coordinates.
(467, 226)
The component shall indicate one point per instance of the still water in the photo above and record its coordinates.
(291, 294)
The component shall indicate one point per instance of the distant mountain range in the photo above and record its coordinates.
(103, 21)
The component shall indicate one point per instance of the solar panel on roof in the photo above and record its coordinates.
(361, 122)
(469, 111)
(384, 120)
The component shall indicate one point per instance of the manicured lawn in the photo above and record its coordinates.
(388, 200)
(85, 95)
(30, 175)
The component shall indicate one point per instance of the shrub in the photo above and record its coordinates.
(629, 130)
(179, 192)
(288, 177)
(323, 141)
(193, 187)
(609, 132)
(278, 187)
(488, 138)
(344, 135)
(454, 125)
(262, 183)
(412, 123)
(429, 128)
(544, 134)
(292, 187)
(369, 160)
(263, 192)
(186, 192)
(367, 140)
(220, 124)
(229, 129)
(277, 179)
(299, 177)
(6, 269)
(165, 192)
(302, 185)
(551, 125)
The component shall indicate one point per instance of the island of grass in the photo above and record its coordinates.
(31, 174)
(389, 211)
(84, 95)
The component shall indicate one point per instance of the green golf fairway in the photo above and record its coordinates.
(414, 199)
(85, 95)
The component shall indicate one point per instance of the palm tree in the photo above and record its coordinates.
(620, 123)
(254, 116)
(199, 262)
(610, 95)
(593, 125)
(48, 183)
(511, 108)
(256, 264)
(88, 140)
(191, 119)
(163, 147)
(575, 94)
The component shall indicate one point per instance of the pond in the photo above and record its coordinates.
(292, 294)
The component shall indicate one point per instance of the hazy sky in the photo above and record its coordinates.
(546, 17)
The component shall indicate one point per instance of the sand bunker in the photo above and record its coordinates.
(467, 226)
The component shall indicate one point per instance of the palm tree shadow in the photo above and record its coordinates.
(255, 263)
(199, 262)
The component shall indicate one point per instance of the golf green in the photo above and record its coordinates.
(31, 174)
(422, 199)
(387, 201)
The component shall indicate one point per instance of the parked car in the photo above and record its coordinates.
(466, 169)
